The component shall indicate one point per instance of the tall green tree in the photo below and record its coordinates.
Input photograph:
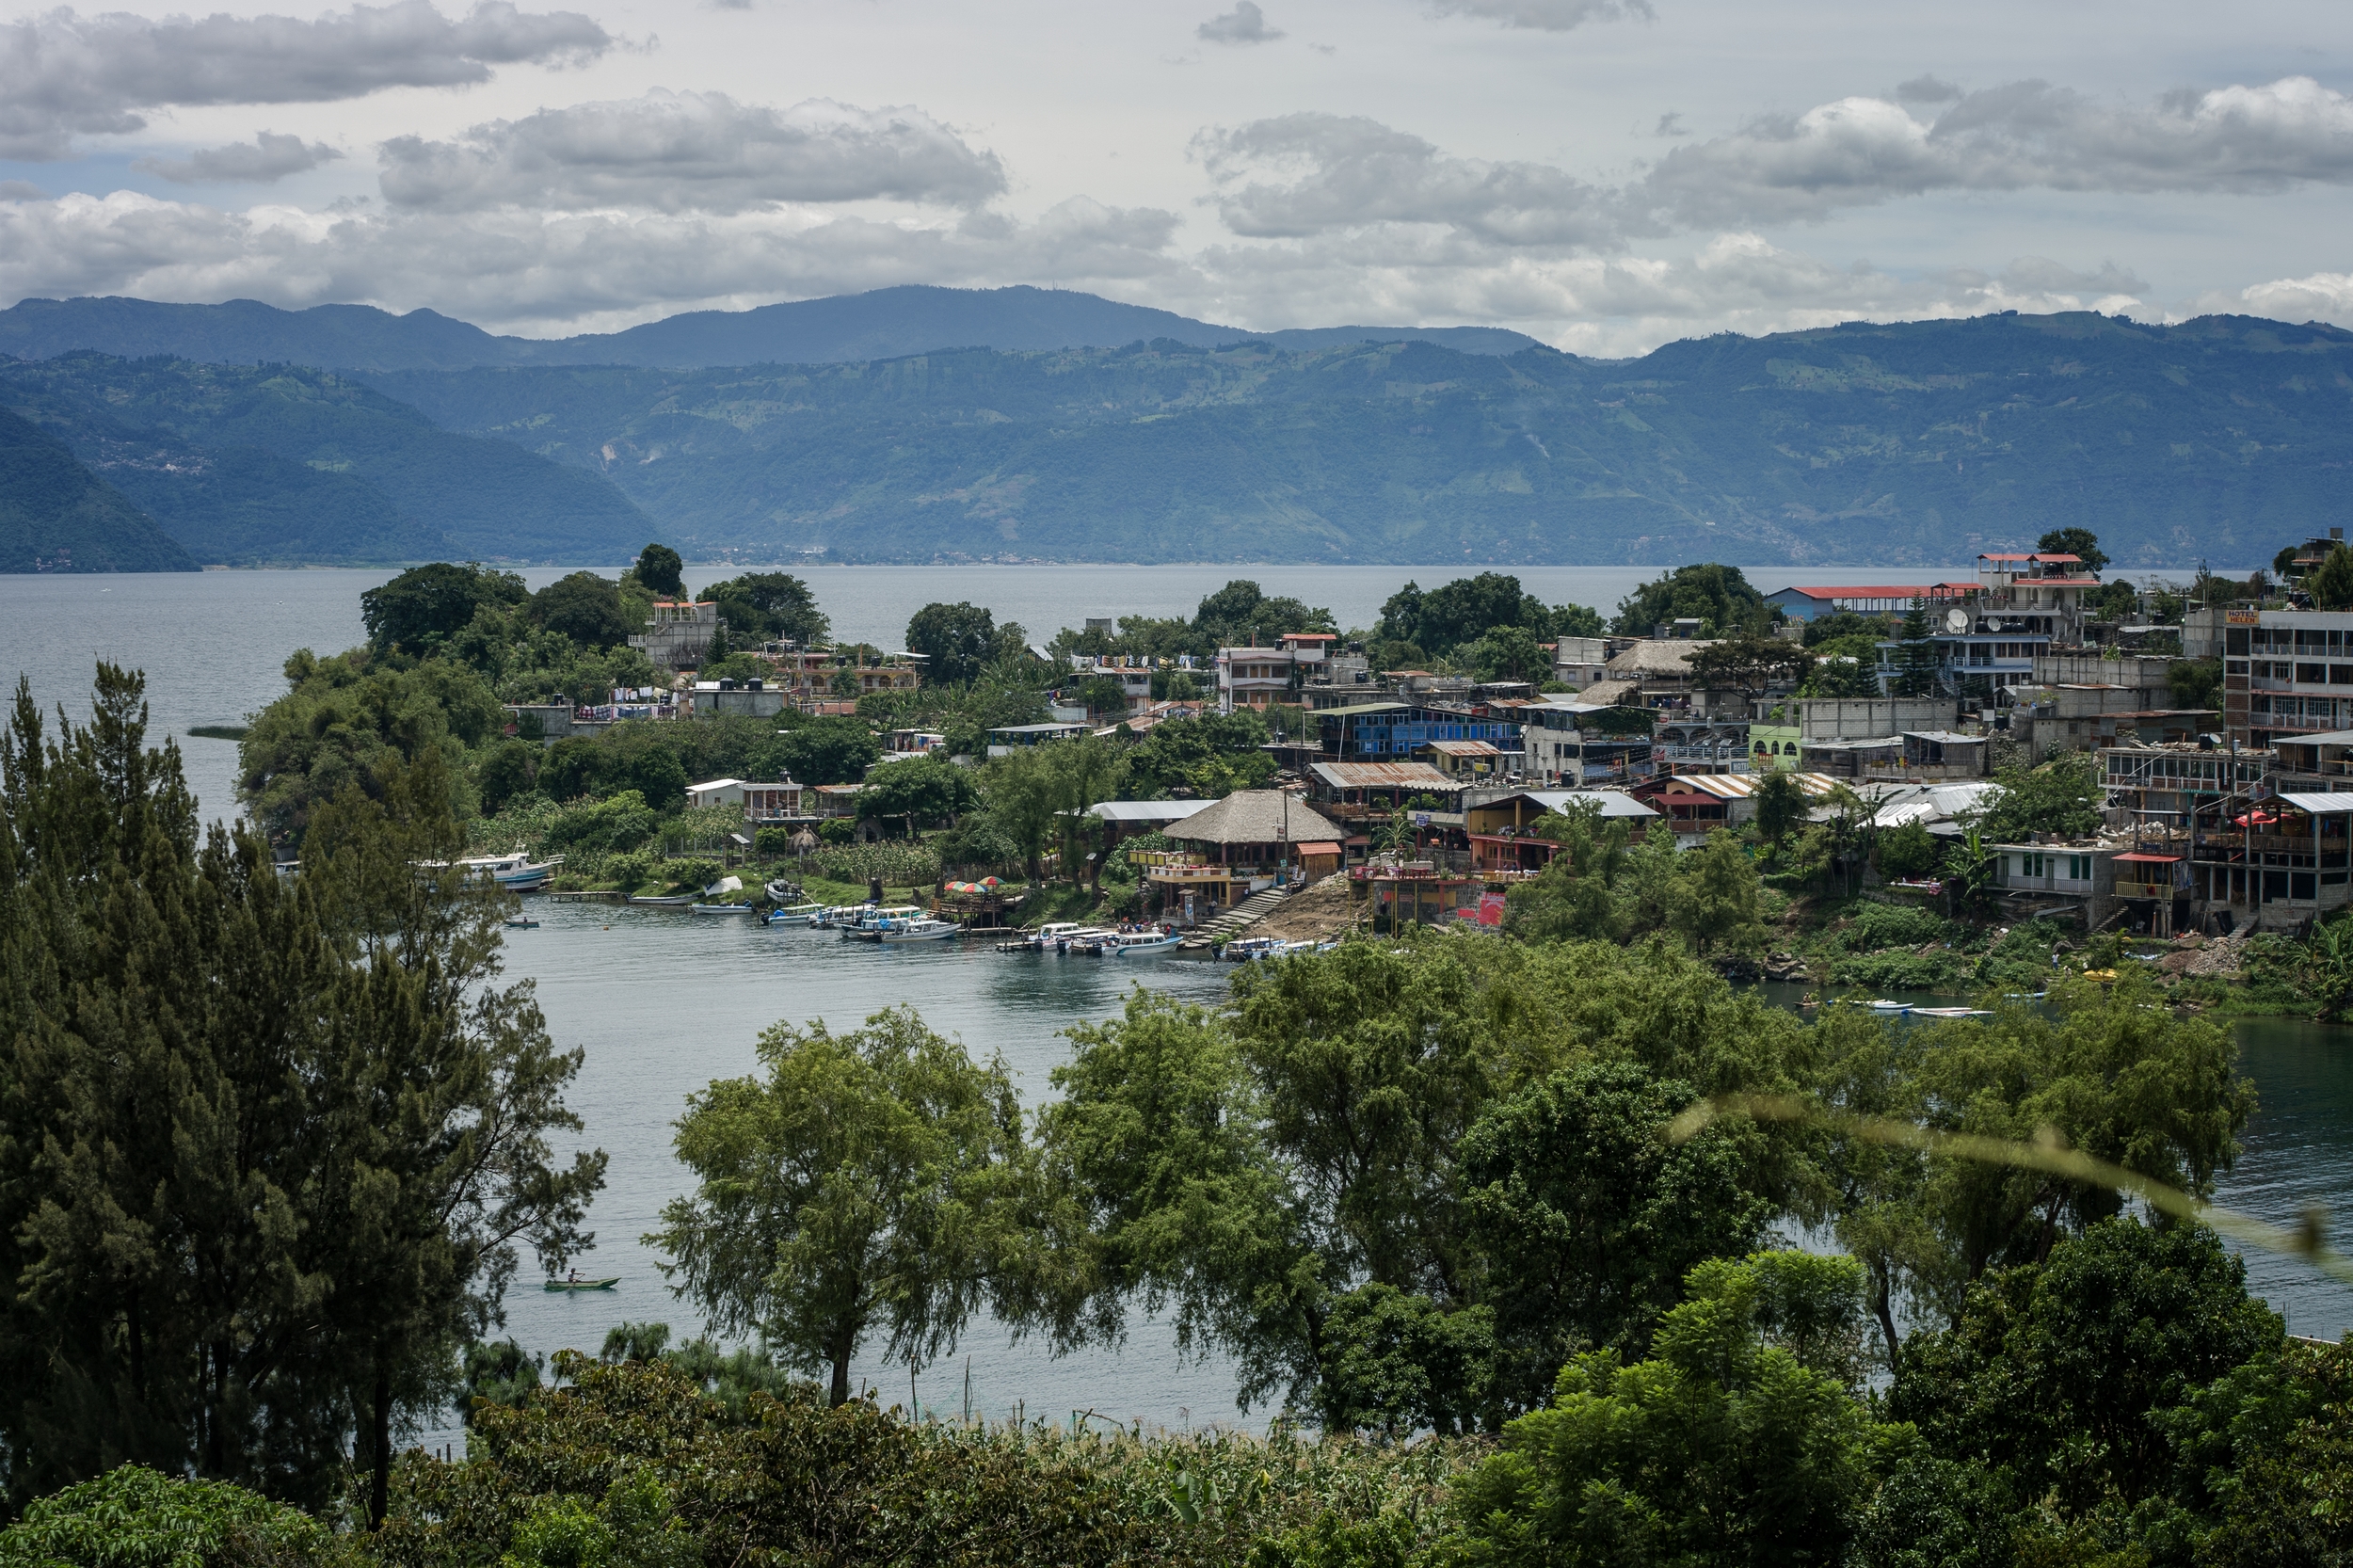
(956, 641)
(771, 605)
(1587, 1219)
(2056, 1374)
(1718, 597)
(432, 603)
(660, 568)
(2064, 797)
(2075, 541)
(1740, 1441)
(1915, 655)
(585, 607)
(875, 1182)
(1751, 662)
(1717, 906)
(1781, 805)
(291, 1131)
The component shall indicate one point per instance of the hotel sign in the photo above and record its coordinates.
(2243, 618)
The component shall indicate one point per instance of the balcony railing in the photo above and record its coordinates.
(2144, 889)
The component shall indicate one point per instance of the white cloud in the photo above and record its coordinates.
(63, 74)
(690, 152)
(1551, 16)
(1349, 171)
(516, 270)
(1304, 174)
(267, 158)
(1861, 151)
(1244, 23)
(1616, 304)
(2319, 297)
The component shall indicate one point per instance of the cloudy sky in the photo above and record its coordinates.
(1604, 174)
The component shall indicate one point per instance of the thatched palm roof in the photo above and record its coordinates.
(1255, 817)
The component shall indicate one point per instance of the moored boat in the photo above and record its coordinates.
(515, 870)
(674, 901)
(1141, 944)
(923, 929)
(720, 909)
(878, 921)
(799, 914)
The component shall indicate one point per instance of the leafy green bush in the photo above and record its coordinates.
(838, 831)
(619, 822)
(132, 1517)
(1940, 970)
(1872, 926)
(638, 1460)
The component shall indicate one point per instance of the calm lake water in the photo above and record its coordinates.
(662, 1004)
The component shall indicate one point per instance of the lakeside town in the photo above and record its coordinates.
(1260, 780)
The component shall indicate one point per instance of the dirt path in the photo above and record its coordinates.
(1321, 911)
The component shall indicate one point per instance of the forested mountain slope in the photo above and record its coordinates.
(252, 464)
(883, 324)
(57, 515)
(1915, 443)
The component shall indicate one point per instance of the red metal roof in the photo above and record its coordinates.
(2150, 860)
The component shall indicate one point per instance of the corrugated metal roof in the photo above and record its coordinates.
(1741, 786)
(1463, 748)
(2334, 804)
(1149, 811)
(1381, 776)
(1355, 709)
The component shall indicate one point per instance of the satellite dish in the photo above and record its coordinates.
(1955, 620)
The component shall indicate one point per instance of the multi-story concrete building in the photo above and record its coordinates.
(1564, 742)
(2286, 672)
(679, 632)
(2020, 609)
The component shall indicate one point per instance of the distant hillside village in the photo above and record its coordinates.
(2193, 738)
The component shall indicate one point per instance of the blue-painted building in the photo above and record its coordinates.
(1392, 732)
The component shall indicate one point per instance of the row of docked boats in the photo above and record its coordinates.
(1073, 939)
(1242, 950)
(892, 924)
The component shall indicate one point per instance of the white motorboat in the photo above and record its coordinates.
(1083, 941)
(1141, 944)
(516, 871)
(841, 917)
(878, 921)
(720, 909)
(923, 929)
(799, 914)
(1242, 950)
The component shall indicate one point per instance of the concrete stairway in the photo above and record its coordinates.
(1242, 915)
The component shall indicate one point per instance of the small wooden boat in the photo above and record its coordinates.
(522, 922)
(582, 1284)
(676, 901)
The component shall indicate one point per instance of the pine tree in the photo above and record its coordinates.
(266, 1143)
(1916, 660)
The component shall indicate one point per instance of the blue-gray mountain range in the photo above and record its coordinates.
(919, 424)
